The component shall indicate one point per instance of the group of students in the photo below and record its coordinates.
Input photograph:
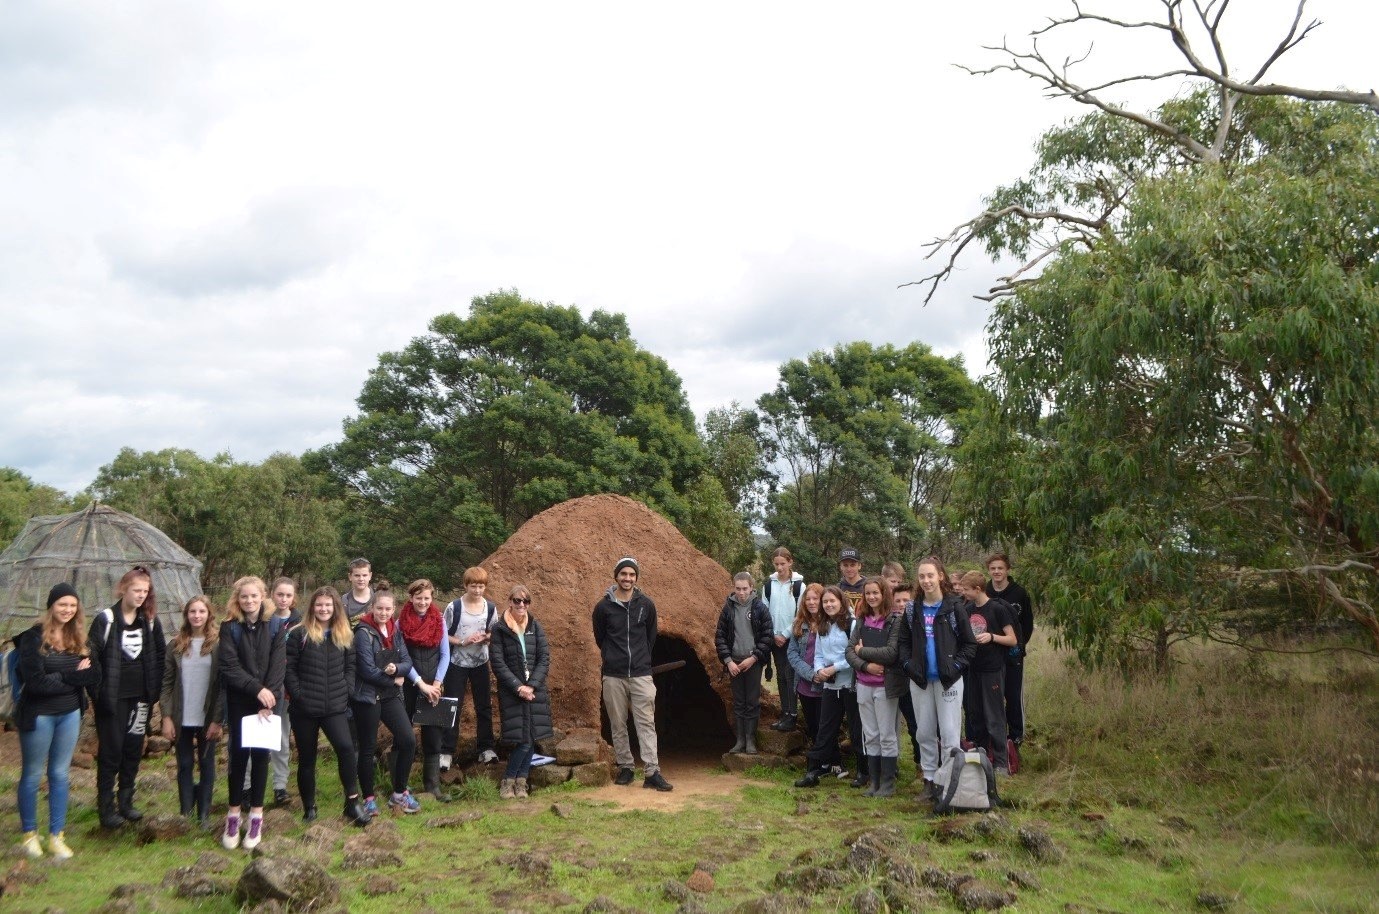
(345, 666)
(870, 650)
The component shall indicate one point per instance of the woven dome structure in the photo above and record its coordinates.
(91, 550)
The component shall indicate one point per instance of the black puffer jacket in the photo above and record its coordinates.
(251, 659)
(320, 675)
(953, 640)
(523, 721)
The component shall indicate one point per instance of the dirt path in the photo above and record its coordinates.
(698, 781)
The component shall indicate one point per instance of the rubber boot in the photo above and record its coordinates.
(127, 805)
(431, 776)
(204, 790)
(874, 773)
(741, 740)
(110, 816)
(863, 772)
(186, 797)
(890, 770)
(749, 735)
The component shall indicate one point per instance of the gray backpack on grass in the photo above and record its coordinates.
(967, 782)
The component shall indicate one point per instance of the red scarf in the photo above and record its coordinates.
(372, 623)
(419, 630)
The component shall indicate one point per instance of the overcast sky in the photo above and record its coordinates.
(215, 216)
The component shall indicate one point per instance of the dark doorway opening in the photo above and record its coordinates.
(690, 717)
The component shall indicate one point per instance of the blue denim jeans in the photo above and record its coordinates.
(519, 762)
(48, 746)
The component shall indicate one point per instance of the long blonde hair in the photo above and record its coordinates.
(340, 634)
(182, 642)
(232, 610)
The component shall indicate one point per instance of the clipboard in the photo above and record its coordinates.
(439, 715)
(257, 733)
(382, 658)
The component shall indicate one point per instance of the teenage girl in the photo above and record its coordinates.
(57, 668)
(192, 705)
(469, 624)
(422, 625)
(284, 614)
(383, 666)
(252, 661)
(320, 677)
(800, 653)
(872, 654)
(936, 645)
(833, 676)
(129, 642)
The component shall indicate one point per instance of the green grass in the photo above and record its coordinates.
(1251, 781)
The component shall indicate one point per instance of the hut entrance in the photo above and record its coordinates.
(690, 717)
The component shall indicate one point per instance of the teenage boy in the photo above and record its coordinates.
(993, 625)
(850, 567)
(625, 632)
(1003, 586)
(781, 593)
(358, 597)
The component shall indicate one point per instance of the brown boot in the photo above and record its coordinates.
(506, 790)
(519, 787)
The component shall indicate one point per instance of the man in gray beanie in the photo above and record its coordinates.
(625, 632)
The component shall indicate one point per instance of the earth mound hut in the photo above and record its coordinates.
(565, 557)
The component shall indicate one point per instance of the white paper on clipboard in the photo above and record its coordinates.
(261, 733)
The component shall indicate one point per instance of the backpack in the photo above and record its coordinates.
(796, 588)
(11, 684)
(966, 782)
(455, 609)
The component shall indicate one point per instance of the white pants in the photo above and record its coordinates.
(938, 715)
(878, 715)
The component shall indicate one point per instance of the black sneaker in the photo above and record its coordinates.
(280, 797)
(625, 776)
(785, 724)
(656, 782)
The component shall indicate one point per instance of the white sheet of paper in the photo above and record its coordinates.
(260, 733)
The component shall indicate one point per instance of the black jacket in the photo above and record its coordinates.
(1019, 599)
(953, 641)
(524, 722)
(107, 692)
(763, 631)
(625, 634)
(320, 675)
(371, 683)
(251, 659)
(879, 645)
(52, 682)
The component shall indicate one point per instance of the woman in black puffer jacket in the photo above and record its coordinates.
(320, 679)
(521, 659)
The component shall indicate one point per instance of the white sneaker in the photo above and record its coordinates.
(488, 757)
(231, 836)
(445, 762)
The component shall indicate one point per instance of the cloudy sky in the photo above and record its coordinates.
(215, 216)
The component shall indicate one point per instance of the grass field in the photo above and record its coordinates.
(1248, 785)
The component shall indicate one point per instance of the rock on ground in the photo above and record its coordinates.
(298, 884)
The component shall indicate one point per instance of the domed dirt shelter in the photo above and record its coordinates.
(565, 557)
(91, 549)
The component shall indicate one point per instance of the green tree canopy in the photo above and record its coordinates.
(21, 498)
(862, 437)
(1189, 403)
(489, 419)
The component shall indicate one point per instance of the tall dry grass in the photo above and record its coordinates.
(1271, 743)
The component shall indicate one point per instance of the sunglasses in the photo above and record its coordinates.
(525, 601)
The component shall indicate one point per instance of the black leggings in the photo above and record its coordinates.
(394, 716)
(825, 751)
(810, 707)
(305, 729)
(254, 760)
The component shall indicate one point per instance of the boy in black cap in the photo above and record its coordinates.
(625, 632)
(850, 567)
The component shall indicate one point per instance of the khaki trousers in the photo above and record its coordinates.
(637, 694)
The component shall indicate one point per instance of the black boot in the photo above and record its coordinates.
(110, 816)
(863, 774)
(874, 774)
(811, 777)
(309, 813)
(785, 724)
(354, 811)
(431, 776)
(204, 790)
(127, 805)
(749, 735)
(186, 797)
(890, 771)
(741, 739)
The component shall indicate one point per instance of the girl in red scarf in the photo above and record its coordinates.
(424, 632)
